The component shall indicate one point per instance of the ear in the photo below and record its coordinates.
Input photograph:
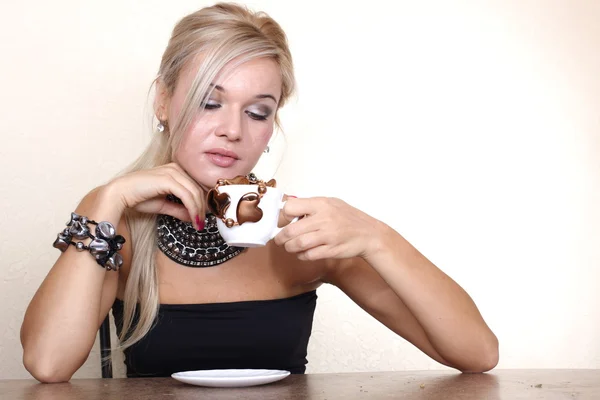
(161, 101)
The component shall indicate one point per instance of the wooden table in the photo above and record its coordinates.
(430, 385)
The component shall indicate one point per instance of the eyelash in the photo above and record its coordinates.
(254, 116)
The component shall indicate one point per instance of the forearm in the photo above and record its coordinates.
(448, 315)
(61, 322)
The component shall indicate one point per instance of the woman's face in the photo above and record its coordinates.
(228, 138)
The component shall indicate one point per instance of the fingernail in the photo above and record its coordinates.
(294, 197)
(199, 223)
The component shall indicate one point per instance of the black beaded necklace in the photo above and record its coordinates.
(185, 245)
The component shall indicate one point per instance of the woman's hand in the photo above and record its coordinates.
(328, 228)
(146, 190)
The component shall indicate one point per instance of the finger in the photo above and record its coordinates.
(298, 207)
(182, 176)
(284, 219)
(305, 242)
(298, 228)
(186, 197)
(197, 192)
(315, 253)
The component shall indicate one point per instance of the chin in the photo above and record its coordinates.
(209, 177)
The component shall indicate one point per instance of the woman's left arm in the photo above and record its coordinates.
(389, 278)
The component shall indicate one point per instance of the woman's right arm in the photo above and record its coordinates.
(61, 322)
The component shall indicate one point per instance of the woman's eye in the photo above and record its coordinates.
(211, 105)
(258, 117)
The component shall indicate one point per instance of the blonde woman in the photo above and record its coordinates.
(223, 77)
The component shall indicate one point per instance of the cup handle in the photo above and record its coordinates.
(278, 229)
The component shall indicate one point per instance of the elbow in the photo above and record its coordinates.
(484, 365)
(44, 369)
(49, 361)
(486, 359)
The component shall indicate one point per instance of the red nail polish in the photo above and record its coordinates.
(293, 197)
(199, 223)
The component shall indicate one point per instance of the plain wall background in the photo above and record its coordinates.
(470, 127)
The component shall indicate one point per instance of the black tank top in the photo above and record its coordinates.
(260, 334)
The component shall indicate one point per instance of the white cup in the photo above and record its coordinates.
(252, 234)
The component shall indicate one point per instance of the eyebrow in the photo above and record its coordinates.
(258, 96)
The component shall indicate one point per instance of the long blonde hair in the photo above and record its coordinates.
(222, 33)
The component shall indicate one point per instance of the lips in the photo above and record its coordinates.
(222, 158)
(223, 153)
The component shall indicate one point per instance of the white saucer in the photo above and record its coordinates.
(230, 377)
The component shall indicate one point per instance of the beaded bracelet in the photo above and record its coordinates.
(104, 245)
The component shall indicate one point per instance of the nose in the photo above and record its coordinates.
(230, 127)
